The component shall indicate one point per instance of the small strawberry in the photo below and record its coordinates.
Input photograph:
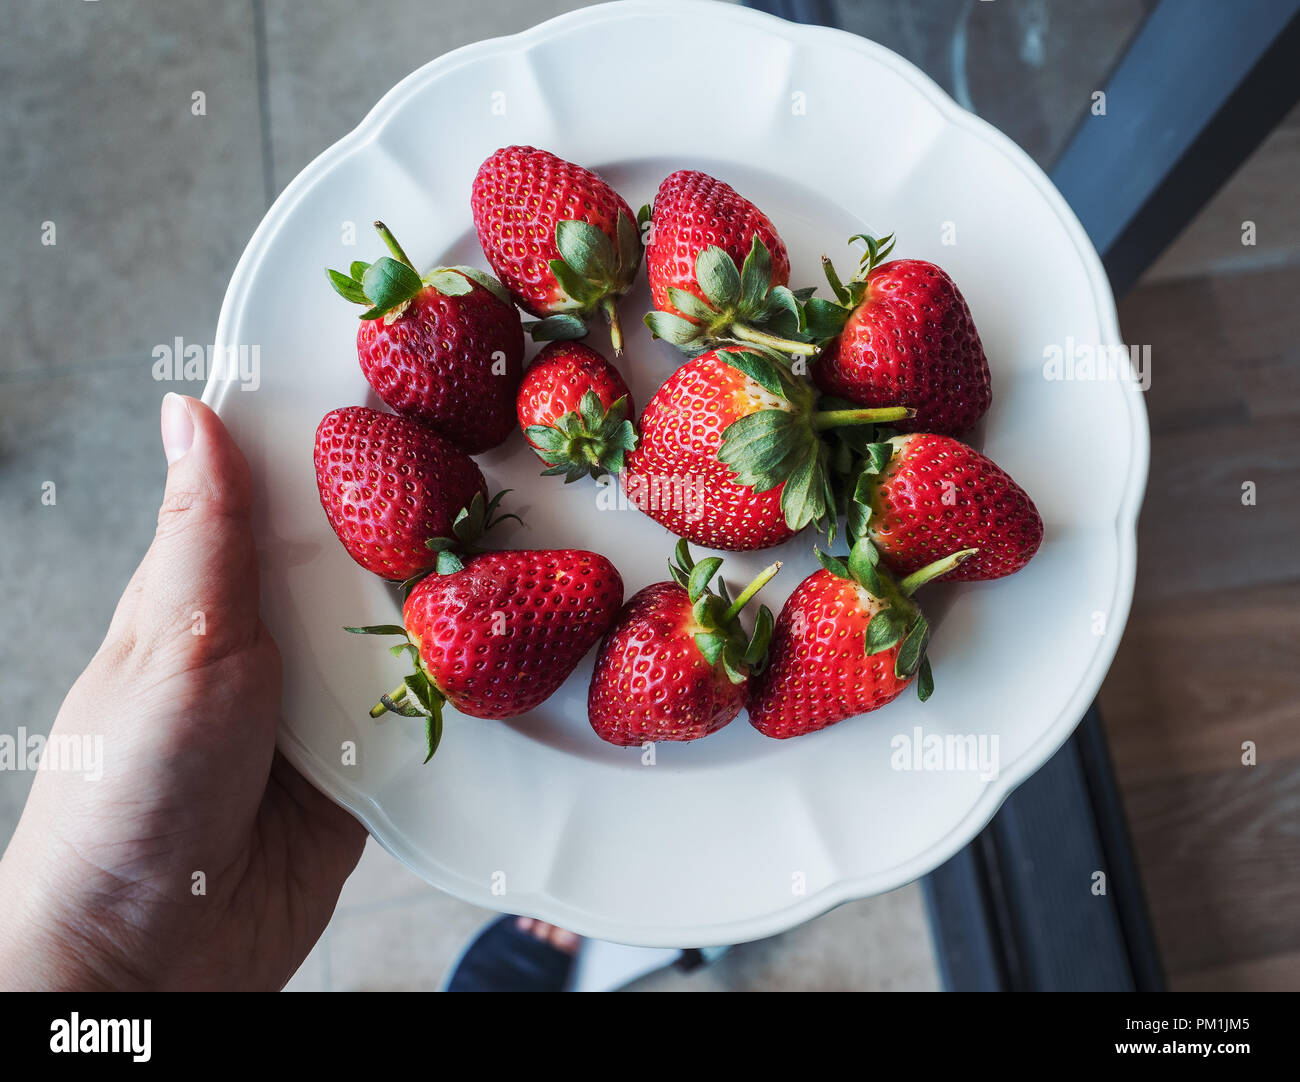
(718, 269)
(573, 407)
(848, 640)
(561, 239)
(388, 486)
(446, 349)
(498, 636)
(676, 663)
(921, 496)
(900, 332)
(730, 455)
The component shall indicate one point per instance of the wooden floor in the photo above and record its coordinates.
(1211, 657)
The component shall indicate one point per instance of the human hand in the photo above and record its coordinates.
(98, 887)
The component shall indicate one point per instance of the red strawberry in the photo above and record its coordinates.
(848, 641)
(901, 332)
(718, 269)
(676, 663)
(497, 637)
(561, 239)
(572, 407)
(447, 349)
(729, 454)
(926, 496)
(388, 486)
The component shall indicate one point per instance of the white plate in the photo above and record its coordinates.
(737, 836)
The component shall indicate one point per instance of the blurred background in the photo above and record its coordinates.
(152, 206)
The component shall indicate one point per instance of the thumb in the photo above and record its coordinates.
(199, 577)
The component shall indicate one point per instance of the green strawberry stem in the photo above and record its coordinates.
(838, 418)
(781, 345)
(387, 236)
(397, 695)
(917, 579)
(761, 580)
(610, 305)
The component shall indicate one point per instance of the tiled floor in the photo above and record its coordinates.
(153, 192)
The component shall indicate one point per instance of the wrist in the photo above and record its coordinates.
(51, 939)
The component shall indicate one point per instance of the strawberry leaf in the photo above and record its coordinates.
(587, 250)
(825, 318)
(837, 287)
(803, 500)
(764, 448)
(388, 283)
(683, 553)
(347, 288)
(833, 564)
(735, 673)
(701, 573)
(711, 644)
(755, 276)
(913, 649)
(691, 306)
(449, 563)
(718, 277)
(878, 456)
(582, 293)
(629, 249)
(487, 282)
(862, 561)
(433, 729)
(856, 517)
(759, 640)
(884, 631)
(448, 282)
(924, 680)
(764, 371)
(557, 328)
(671, 328)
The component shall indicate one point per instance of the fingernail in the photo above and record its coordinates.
(177, 426)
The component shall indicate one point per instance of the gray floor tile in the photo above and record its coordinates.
(94, 434)
(322, 81)
(151, 204)
(877, 944)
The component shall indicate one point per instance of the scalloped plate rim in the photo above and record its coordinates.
(848, 888)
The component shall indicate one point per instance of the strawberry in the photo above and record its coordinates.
(729, 454)
(900, 332)
(561, 239)
(676, 663)
(499, 634)
(921, 496)
(572, 407)
(718, 269)
(848, 641)
(446, 349)
(388, 486)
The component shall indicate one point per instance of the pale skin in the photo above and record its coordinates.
(98, 885)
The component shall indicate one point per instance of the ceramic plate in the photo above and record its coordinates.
(737, 836)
